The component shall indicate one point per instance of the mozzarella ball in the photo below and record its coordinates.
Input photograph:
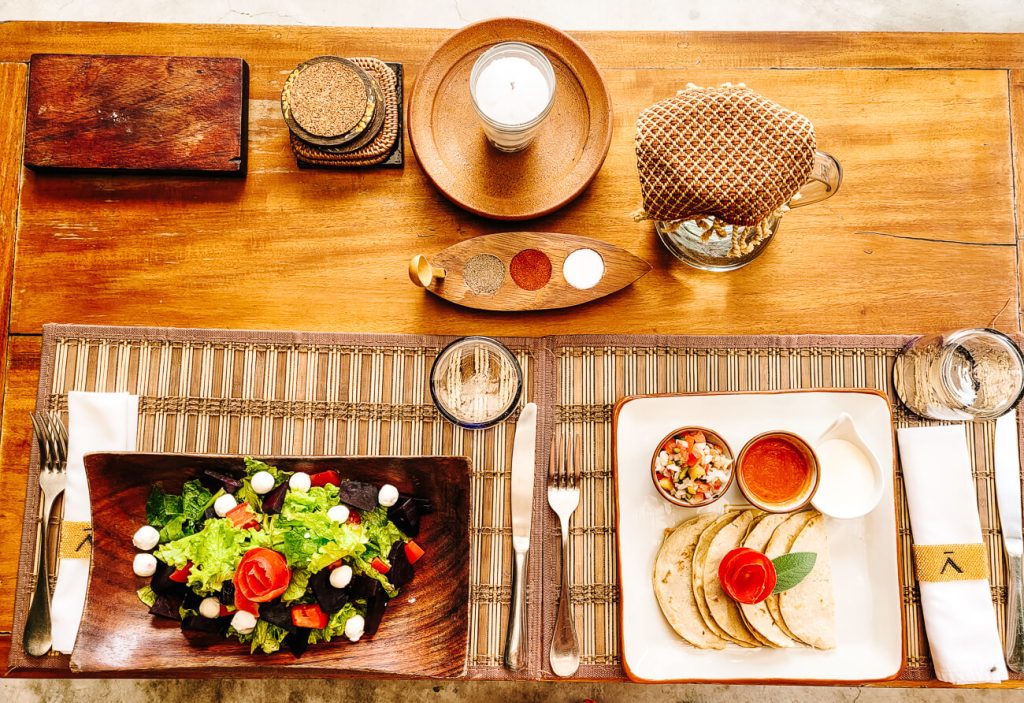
(144, 564)
(262, 482)
(341, 576)
(225, 504)
(243, 622)
(354, 627)
(339, 513)
(299, 482)
(388, 495)
(146, 537)
(210, 608)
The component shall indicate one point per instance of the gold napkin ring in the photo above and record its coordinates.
(951, 562)
(75, 540)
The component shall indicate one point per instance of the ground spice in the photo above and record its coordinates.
(530, 269)
(483, 274)
(328, 98)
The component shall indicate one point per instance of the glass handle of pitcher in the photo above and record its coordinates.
(825, 179)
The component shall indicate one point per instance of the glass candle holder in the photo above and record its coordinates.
(513, 88)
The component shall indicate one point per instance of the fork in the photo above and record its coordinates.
(564, 498)
(52, 438)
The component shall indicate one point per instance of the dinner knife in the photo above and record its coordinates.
(523, 460)
(1007, 460)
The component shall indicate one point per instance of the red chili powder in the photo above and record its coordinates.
(530, 269)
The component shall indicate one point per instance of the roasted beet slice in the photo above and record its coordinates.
(364, 587)
(216, 479)
(277, 613)
(191, 600)
(210, 514)
(329, 598)
(168, 605)
(401, 570)
(162, 584)
(274, 501)
(375, 612)
(424, 504)
(358, 494)
(204, 632)
(297, 641)
(227, 593)
(406, 516)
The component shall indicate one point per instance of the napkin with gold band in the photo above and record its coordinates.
(96, 422)
(949, 555)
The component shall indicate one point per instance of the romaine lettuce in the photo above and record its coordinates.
(335, 625)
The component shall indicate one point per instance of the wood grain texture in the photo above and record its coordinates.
(137, 114)
(620, 269)
(926, 195)
(425, 628)
(569, 147)
(13, 86)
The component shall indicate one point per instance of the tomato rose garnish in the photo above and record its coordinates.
(262, 575)
(747, 576)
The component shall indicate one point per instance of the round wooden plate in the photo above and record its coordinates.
(449, 143)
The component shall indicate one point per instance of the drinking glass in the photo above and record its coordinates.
(974, 374)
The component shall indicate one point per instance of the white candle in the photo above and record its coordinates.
(512, 91)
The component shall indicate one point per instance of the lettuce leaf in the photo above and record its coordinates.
(253, 466)
(381, 531)
(161, 507)
(335, 625)
(147, 595)
(265, 636)
(309, 539)
(195, 497)
(214, 552)
(297, 586)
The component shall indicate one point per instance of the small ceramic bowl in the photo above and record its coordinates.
(799, 501)
(710, 436)
(835, 497)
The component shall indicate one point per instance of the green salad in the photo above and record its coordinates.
(275, 558)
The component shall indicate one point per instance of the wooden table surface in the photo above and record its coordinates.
(924, 234)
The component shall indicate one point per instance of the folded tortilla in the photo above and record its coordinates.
(809, 608)
(724, 610)
(779, 544)
(757, 616)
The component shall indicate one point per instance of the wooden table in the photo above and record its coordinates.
(923, 236)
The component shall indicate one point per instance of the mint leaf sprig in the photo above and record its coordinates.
(792, 568)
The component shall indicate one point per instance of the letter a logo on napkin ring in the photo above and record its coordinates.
(950, 562)
(75, 540)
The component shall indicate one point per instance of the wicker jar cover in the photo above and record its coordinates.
(726, 152)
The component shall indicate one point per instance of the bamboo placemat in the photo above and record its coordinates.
(273, 393)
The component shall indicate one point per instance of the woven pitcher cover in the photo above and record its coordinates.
(726, 151)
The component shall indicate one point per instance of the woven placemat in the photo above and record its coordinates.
(270, 393)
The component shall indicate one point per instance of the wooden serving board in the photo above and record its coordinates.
(620, 269)
(137, 114)
(425, 628)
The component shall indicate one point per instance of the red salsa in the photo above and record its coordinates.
(775, 471)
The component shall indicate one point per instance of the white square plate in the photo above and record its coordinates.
(866, 578)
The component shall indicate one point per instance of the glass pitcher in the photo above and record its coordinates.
(710, 244)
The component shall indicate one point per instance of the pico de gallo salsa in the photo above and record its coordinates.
(692, 468)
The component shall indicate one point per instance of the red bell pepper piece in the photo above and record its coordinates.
(311, 616)
(378, 564)
(181, 575)
(324, 477)
(243, 517)
(413, 552)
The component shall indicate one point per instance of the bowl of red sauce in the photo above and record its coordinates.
(777, 472)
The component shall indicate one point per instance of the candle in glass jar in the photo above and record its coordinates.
(512, 91)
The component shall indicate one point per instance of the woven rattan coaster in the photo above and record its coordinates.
(385, 149)
(726, 152)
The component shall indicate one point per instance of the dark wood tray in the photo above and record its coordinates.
(425, 628)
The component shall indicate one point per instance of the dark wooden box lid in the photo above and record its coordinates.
(181, 114)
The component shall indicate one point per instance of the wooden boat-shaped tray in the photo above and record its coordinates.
(444, 272)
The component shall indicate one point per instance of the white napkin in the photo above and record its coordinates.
(959, 617)
(96, 422)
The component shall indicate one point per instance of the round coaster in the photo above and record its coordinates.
(329, 101)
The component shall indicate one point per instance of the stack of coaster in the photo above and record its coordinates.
(345, 113)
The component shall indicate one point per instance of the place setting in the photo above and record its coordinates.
(659, 508)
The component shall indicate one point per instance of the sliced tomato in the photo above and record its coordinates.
(181, 575)
(353, 518)
(692, 459)
(311, 616)
(335, 564)
(699, 437)
(747, 576)
(243, 517)
(262, 575)
(413, 552)
(224, 610)
(243, 603)
(378, 564)
(324, 477)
